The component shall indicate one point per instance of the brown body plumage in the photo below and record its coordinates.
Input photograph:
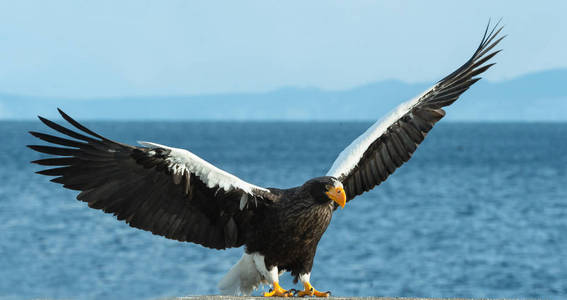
(292, 228)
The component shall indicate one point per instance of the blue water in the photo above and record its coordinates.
(479, 211)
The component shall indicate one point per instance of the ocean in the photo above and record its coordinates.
(479, 211)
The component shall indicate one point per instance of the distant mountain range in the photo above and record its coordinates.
(538, 96)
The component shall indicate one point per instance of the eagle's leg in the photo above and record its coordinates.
(277, 291)
(272, 276)
(309, 290)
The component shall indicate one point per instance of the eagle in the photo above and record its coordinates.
(176, 194)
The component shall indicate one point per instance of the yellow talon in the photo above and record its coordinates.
(309, 290)
(277, 291)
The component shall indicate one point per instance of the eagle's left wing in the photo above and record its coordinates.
(390, 142)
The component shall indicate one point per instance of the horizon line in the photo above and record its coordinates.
(260, 92)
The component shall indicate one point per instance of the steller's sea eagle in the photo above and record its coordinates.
(174, 193)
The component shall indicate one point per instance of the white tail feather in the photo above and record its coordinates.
(242, 279)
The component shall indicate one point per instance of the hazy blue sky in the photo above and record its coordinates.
(130, 48)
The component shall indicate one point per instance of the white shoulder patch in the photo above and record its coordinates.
(182, 160)
(352, 154)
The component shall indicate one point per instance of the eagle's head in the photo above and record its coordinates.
(325, 189)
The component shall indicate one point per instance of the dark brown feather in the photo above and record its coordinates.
(398, 142)
(141, 189)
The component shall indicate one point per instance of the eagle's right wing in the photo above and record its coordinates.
(168, 191)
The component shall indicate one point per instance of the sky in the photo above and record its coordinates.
(109, 49)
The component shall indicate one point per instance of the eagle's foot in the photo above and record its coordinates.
(311, 291)
(277, 291)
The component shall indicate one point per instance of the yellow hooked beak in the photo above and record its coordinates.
(338, 195)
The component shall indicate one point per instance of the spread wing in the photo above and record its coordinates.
(390, 142)
(168, 191)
